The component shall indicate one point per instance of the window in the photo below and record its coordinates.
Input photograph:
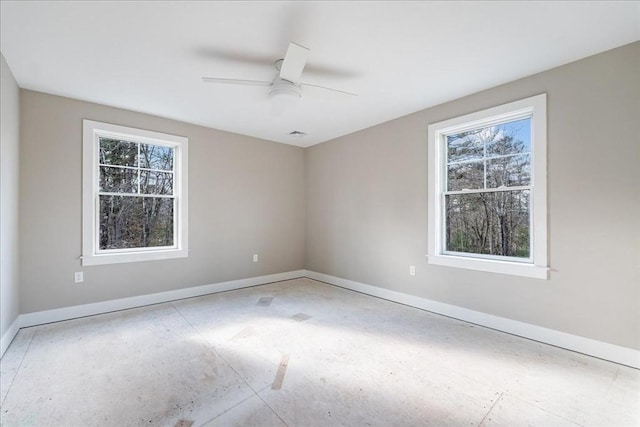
(487, 190)
(135, 205)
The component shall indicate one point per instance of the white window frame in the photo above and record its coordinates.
(536, 266)
(91, 253)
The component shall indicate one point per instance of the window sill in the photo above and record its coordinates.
(133, 257)
(491, 266)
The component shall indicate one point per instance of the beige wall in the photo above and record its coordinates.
(9, 171)
(246, 196)
(357, 206)
(367, 205)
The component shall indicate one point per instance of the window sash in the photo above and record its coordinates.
(444, 225)
(488, 190)
(444, 192)
(135, 168)
(461, 162)
(98, 250)
(138, 169)
(107, 193)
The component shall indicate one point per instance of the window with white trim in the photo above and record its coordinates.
(487, 190)
(135, 194)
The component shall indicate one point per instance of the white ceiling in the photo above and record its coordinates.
(400, 57)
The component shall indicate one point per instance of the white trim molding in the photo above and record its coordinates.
(92, 132)
(9, 335)
(68, 313)
(602, 350)
(535, 266)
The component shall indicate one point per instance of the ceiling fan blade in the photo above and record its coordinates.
(236, 81)
(293, 64)
(328, 88)
(322, 71)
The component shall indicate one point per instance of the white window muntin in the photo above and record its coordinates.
(534, 107)
(91, 252)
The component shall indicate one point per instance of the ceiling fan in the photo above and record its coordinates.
(286, 83)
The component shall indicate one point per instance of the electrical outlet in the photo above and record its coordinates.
(255, 257)
(412, 270)
(79, 276)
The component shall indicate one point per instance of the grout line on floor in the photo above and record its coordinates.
(230, 365)
(269, 406)
(547, 411)
(227, 410)
(490, 409)
(19, 366)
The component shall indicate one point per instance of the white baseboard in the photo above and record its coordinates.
(614, 353)
(67, 313)
(602, 350)
(9, 335)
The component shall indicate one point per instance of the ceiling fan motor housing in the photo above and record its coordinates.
(281, 87)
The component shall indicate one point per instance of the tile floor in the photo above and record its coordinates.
(301, 353)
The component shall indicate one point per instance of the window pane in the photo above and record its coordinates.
(117, 152)
(509, 171)
(510, 138)
(118, 180)
(135, 222)
(156, 157)
(464, 146)
(468, 175)
(152, 182)
(488, 223)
